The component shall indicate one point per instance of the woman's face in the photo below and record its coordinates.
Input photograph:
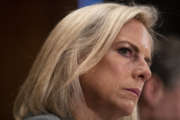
(116, 82)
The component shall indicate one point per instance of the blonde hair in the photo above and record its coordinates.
(76, 44)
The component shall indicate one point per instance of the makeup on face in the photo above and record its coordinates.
(116, 82)
(130, 50)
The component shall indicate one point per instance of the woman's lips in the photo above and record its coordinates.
(136, 91)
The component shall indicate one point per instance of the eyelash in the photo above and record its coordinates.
(127, 52)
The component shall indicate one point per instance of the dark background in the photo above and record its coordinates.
(26, 24)
(169, 14)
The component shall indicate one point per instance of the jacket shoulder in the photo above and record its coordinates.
(43, 117)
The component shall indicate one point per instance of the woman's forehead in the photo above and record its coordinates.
(136, 33)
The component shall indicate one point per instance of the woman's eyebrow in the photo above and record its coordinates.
(136, 49)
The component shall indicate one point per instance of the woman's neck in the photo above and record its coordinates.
(86, 113)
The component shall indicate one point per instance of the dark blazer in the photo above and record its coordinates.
(43, 117)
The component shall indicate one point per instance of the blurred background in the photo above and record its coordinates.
(26, 24)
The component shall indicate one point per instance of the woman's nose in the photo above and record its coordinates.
(142, 71)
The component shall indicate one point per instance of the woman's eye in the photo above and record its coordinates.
(125, 52)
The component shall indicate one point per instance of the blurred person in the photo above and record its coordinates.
(161, 95)
(92, 66)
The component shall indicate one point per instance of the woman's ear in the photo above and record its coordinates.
(153, 91)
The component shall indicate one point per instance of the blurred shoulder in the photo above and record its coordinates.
(43, 117)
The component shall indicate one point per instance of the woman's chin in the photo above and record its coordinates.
(128, 112)
(127, 108)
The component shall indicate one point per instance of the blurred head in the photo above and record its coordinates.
(160, 98)
(90, 40)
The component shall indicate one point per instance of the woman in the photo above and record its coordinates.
(92, 66)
